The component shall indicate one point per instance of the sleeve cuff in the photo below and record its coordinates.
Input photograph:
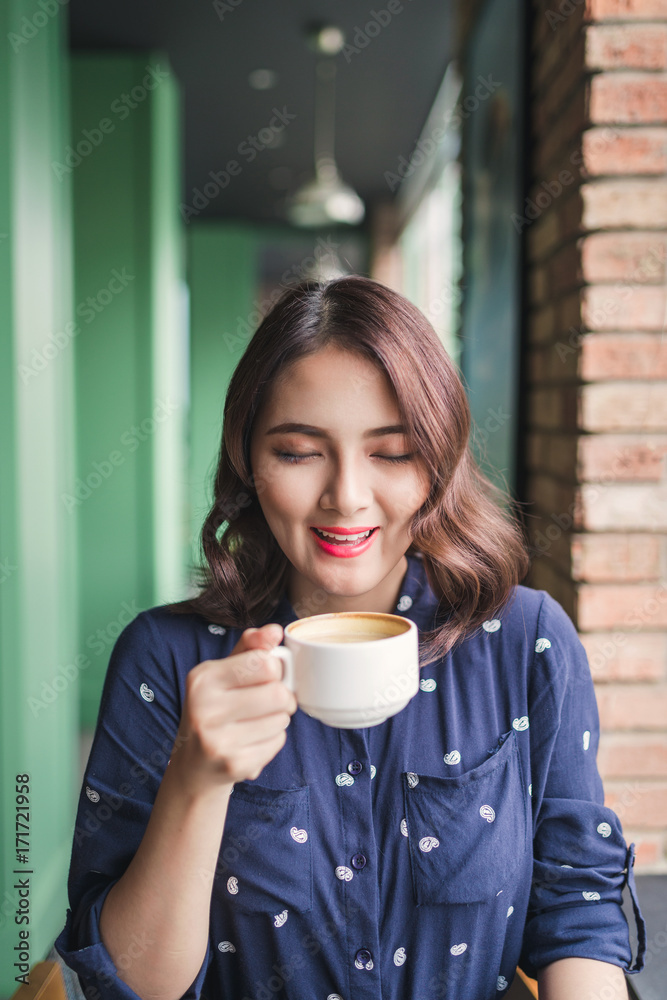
(596, 930)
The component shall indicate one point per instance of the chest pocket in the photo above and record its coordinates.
(468, 834)
(264, 864)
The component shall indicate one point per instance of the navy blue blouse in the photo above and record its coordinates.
(421, 858)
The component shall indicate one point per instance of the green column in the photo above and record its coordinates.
(38, 605)
(222, 277)
(130, 490)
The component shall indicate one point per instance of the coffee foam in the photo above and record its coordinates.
(347, 627)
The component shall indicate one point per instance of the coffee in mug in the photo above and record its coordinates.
(351, 669)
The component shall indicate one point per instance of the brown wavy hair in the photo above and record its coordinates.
(473, 549)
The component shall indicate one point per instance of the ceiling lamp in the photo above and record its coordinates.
(327, 198)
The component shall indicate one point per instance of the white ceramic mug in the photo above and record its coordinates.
(351, 669)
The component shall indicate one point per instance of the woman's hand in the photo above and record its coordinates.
(235, 714)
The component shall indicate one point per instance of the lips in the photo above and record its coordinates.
(344, 542)
(335, 533)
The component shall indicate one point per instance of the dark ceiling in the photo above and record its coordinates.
(384, 90)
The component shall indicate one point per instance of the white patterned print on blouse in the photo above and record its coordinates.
(280, 919)
(501, 983)
(404, 827)
(488, 813)
(541, 645)
(520, 724)
(226, 946)
(510, 911)
(586, 740)
(301, 836)
(146, 693)
(344, 873)
(492, 625)
(232, 885)
(413, 779)
(604, 830)
(92, 794)
(344, 779)
(452, 758)
(217, 629)
(428, 844)
(427, 684)
(373, 771)
(399, 956)
(405, 603)
(458, 949)
(591, 896)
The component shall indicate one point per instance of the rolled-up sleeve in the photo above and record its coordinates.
(135, 733)
(581, 859)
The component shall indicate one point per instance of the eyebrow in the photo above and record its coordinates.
(293, 428)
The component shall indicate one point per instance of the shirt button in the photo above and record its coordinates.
(363, 956)
(355, 767)
(358, 861)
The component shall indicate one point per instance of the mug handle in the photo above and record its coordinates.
(285, 655)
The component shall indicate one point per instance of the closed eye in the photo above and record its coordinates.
(292, 459)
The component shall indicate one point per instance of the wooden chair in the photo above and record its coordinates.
(523, 988)
(46, 983)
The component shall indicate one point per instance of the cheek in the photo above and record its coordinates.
(282, 498)
(410, 496)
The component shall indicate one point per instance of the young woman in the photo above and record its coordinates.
(229, 846)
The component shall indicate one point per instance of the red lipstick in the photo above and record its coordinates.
(343, 549)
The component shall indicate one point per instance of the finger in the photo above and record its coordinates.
(239, 704)
(265, 637)
(255, 732)
(252, 667)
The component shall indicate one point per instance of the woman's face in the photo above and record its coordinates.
(328, 452)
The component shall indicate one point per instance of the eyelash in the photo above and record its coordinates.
(291, 459)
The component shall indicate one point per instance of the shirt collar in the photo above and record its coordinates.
(415, 601)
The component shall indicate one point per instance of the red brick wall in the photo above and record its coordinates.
(596, 226)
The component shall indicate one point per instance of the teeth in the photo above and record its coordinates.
(344, 538)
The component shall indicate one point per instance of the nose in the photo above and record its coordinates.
(347, 488)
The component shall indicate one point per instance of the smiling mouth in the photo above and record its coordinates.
(338, 538)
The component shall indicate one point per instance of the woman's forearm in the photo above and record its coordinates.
(155, 919)
(583, 978)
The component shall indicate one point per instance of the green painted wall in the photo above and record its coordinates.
(222, 278)
(130, 489)
(39, 675)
